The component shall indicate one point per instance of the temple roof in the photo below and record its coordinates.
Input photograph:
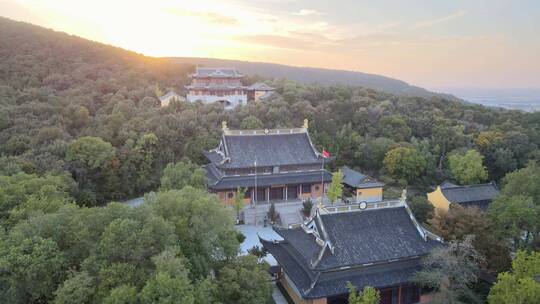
(379, 247)
(216, 72)
(358, 180)
(171, 94)
(260, 86)
(480, 194)
(218, 181)
(241, 149)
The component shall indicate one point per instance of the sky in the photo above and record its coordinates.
(434, 44)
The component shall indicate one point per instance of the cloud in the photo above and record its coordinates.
(277, 41)
(430, 23)
(307, 12)
(207, 16)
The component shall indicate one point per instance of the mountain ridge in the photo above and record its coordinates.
(323, 76)
(305, 75)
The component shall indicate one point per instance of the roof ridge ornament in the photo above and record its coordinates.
(306, 123)
(403, 197)
(224, 126)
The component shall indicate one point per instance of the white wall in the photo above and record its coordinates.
(235, 100)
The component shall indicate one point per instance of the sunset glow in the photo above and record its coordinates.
(459, 43)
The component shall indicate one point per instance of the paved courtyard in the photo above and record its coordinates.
(252, 234)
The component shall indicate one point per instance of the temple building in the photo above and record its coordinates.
(166, 99)
(368, 244)
(224, 86)
(361, 187)
(259, 92)
(272, 165)
(480, 195)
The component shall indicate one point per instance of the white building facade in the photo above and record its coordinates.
(224, 86)
(221, 85)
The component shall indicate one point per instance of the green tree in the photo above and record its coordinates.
(516, 217)
(164, 289)
(405, 163)
(451, 271)
(421, 208)
(206, 292)
(123, 294)
(468, 168)
(177, 176)
(34, 267)
(394, 127)
(520, 285)
(118, 274)
(244, 281)
(22, 195)
(130, 240)
(171, 283)
(335, 190)
(92, 152)
(146, 152)
(368, 296)
(238, 203)
(77, 289)
(93, 163)
(525, 181)
(346, 145)
(516, 212)
(204, 226)
(251, 123)
(374, 151)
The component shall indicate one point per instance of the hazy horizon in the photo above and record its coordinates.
(488, 44)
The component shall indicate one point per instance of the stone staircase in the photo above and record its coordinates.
(290, 218)
(289, 213)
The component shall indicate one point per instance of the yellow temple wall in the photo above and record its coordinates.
(437, 199)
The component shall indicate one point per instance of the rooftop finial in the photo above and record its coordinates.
(404, 195)
(224, 126)
(306, 123)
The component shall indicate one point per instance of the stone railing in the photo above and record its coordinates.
(265, 131)
(356, 206)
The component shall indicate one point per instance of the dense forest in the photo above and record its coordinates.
(81, 125)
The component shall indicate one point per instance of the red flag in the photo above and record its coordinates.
(325, 154)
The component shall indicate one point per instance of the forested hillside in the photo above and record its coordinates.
(80, 125)
(307, 75)
(58, 92)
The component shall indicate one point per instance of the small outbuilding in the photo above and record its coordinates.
(479, 195)
(363, 187)
(259, 91)
(166, 99)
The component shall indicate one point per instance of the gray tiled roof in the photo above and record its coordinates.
(267, 95)
(216, 72)
(379, 248)
(260, 86)
(268, 150)
(218, 182)
(372, 236)
(358, 180)
(480, 195)
(291, 262)
(378, 276)
(170, 94)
